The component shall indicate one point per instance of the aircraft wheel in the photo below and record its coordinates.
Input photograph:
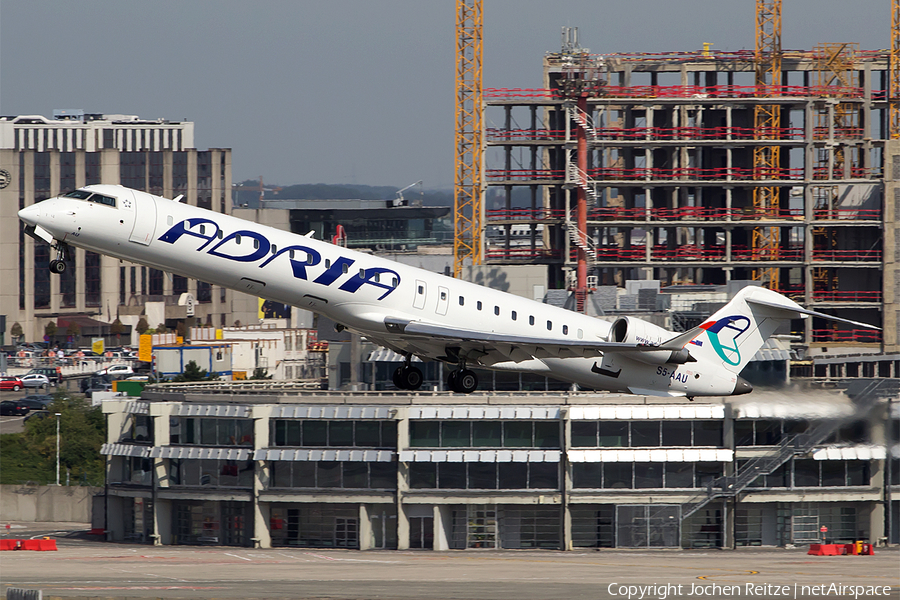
(466, 381)
(411, 378)
(397, 378)
(451, 381)
(57, 266)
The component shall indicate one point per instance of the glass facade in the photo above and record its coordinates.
(646, 434)
(484, 434)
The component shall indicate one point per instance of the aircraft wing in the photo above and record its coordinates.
(538, 347)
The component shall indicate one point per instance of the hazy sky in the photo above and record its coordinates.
(345, 91)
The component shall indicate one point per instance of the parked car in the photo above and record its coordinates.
(98, 387)
(35, 380)
(38, 414)
(11, 383)
(116, 371)
(54, 374)
(34, 403)
(13, 407)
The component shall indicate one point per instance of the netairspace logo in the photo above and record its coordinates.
(764, 590)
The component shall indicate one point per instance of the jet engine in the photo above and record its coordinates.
(630, 330)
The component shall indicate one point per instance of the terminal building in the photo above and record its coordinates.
(262, 464)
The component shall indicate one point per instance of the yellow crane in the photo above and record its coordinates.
(468, 183)
(767, 124)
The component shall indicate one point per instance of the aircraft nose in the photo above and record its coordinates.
(30, 214)
(742, 387)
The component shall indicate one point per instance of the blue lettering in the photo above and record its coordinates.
(358, 280)
(184, 228)
(334, 271)
(341, 265)
(257, 253)
(297, 266)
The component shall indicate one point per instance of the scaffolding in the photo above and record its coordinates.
(670, 180)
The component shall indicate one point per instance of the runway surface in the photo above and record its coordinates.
(86, 569)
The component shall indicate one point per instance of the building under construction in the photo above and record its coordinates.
(704, 168)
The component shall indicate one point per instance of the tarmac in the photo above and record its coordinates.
(84, 568)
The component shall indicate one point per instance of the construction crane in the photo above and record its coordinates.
(468, 183)
(894, 101)
(767, 123)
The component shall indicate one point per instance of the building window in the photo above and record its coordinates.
(484, 476)
(41, 275)
(197, 431)
(643, 475)
(340, 434)
(204, 292)
(332, 474)
(179, 284)
(92, 288)
(211, 473)
(646, 434)
(155, 282)
(484, 434)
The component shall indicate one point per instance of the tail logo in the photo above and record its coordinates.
(723, 336)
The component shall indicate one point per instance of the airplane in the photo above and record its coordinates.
(413, 311)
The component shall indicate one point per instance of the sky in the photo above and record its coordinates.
(346, 91)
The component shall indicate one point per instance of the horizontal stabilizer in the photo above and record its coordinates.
(798, 311)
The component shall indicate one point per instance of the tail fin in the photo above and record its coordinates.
(735, 332)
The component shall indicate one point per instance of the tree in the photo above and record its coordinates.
(16, 331)
(117, 329)
(193, 372)
(260, 373)
(142, 326)
(180, 329)
(50, 329)
(161, 328)
(31, 455)
(73, 330)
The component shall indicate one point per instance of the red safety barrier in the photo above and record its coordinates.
(859, 548)
(39, 545)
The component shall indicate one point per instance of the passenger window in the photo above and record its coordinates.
(421, 289)
(443, 295)
(580, 334)
(169, 220)
(531, 320)
(345, 267)
(274, 249)
(292, 254)
(497, 310)
(513, 315)
(221, 234)
(395, 282)
(549, 325)
(462, 301)
(362, 273)
(203, 230)
(327, 263)
(377, 277)
(478, 305)
(255, 244)
(565, 330)
(237, 239)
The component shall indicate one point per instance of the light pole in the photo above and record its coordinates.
(57, 448)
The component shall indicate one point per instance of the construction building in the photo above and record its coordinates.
(267, 464)
(659, 167)
(42, 157)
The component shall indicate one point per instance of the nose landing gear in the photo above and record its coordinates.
(58, 264)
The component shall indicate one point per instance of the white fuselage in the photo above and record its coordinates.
(355, 289)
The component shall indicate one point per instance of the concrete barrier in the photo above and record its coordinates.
(47, 503)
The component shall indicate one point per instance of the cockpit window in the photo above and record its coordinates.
(100, 199)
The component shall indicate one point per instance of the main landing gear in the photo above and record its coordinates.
(408, 377)
(462, 380)
(58, 264)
